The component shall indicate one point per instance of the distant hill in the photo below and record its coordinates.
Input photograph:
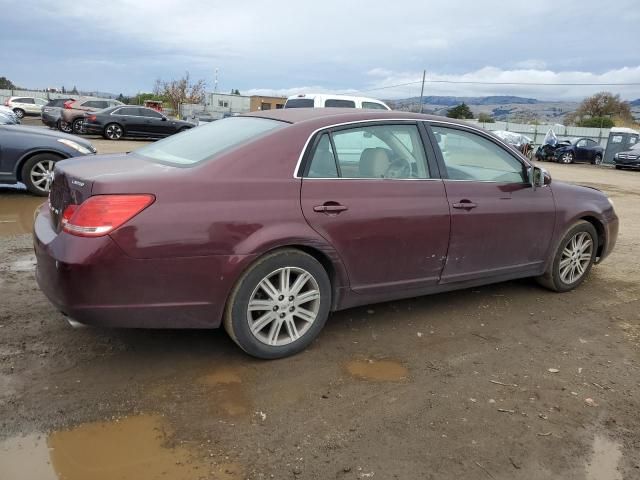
(635, 103)
(453, 101)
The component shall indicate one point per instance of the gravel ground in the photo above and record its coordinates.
(507, 381)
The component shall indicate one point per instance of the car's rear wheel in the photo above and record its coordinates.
(573, 259)
(113, 131)
(597, 160)
(64, 126)
(77, 126)
(37, 173)
(279, 305)
(19, 112)
(566, 158)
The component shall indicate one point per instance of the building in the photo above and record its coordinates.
(224, 103)
(266, 103)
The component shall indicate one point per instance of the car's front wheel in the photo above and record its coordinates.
(573, 259)
(113, 131)
(566, 157)
(279, 305)
(37, 173)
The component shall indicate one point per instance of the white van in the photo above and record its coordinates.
(323, 100)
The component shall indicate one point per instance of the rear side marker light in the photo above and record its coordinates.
(101, 214)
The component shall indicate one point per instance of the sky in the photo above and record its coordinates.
(343, 46)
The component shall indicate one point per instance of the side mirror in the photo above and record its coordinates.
(164, 119)
(539, 177)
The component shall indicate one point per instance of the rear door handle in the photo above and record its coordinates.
(465, 205)
(330, 208)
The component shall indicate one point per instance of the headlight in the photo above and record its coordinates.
(74, 145)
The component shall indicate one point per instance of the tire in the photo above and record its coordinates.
(76, 126)
(37, 172)
(560, 276)
(19, 112)
(597, 160)
(268, 331)
(64, 126)
(566, 158)
(113, 131)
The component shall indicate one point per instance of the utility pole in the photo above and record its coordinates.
(424, 73)
(215, 83)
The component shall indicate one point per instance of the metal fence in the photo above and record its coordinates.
(5, 94)
(537, 132)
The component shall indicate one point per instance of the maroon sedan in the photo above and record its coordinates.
(269, 221)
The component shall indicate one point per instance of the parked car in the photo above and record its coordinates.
(629, 159)
(25, 105)
(521, 142)
(323, 100)
(28, 155)
(266, 222)
(52, 112)
(72, 116)
(572, 151)
(115, 123)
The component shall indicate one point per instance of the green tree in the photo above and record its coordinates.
(485, 118)
(597, 122)
(235, 91)
(460, 111)
(7, 84)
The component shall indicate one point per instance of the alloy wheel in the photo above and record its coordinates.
(114, 132)
(576, 257)
(288, 297)
(41, 175)
(567, 157)
(598, 159)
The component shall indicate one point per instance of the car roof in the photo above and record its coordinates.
(332, 116)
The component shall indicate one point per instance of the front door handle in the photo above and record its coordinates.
(465, 205)
(330, 208)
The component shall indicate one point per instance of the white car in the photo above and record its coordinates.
(323, 100)
(25, 105)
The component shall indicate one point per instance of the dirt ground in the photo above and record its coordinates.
(507, 381)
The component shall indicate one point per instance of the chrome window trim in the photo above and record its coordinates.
(327, 127)
(375, 179)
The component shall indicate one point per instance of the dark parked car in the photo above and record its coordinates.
(52, 112)
(628, 159)
(72, 115)
(268, 221)
(130, 121)
(28, 155)
(572, 151)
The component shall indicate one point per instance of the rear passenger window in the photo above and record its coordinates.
(380, 151)
(24, 100)
(334, 102)
(469, 156)
(373, 105)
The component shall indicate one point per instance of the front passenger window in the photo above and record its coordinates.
(469, 156)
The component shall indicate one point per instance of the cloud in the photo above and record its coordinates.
(286, 43)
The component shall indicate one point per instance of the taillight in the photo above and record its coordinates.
(101, 214)
(6, 102)
(68, 103)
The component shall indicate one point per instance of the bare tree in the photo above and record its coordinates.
(178, 92)
(600, 105)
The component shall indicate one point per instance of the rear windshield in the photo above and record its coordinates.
(335, 102)
(203, 142)
(299, 103)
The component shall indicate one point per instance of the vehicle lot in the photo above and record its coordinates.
(455, 385)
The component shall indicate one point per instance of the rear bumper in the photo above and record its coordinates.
(93, 282)
(50, 120)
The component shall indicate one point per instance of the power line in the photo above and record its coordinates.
(474, 82)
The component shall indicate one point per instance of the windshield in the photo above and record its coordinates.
(299, 103)
(202, 143)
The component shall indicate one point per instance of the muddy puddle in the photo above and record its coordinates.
(16, 213)
(138, 447)
(226, 392)
(605, 459)
(377, 370)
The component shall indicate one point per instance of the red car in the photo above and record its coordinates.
(269, 221)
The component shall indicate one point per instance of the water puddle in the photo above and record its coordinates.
(136, 447)
(25, 263)
(16, 213)
(377, 370)
(605, 459)
(226, 392)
